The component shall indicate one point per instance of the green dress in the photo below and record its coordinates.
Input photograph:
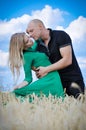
(50, 83)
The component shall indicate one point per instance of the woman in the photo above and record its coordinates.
(23, 52)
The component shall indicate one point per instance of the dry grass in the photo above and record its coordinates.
(42, 114)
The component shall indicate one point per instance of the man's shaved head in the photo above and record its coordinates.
(36, 22)
(36, 29)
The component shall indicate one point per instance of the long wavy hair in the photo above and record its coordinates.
(17, 45)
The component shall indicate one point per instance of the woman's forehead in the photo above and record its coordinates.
(26, 38)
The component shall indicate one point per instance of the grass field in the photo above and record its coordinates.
(42, 114)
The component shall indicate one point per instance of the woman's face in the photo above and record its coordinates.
(28, 41)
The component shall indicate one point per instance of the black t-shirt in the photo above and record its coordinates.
(58, 40)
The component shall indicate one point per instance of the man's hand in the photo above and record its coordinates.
(41, 72)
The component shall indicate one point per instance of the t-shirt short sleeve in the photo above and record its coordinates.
(63, 39)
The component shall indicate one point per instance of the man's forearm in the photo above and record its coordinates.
(61, 64)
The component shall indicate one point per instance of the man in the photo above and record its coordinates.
(58, 46)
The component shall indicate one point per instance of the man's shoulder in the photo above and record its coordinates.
(57, 32)
(54, 30)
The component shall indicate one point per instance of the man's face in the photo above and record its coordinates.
(34, 31)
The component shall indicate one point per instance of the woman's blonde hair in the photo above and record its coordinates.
(17, 45)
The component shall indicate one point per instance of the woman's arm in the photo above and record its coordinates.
(22, 84)
(27, 71)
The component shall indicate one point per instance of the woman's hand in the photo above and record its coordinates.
(23, 84)
(16, 87)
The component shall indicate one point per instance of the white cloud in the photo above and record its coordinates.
(14, 25)
(51, 17)
(3, 58)
(82, 62)
(76, 29)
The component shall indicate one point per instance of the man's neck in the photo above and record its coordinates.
(47, 37)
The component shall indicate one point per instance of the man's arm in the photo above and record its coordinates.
(66, 60)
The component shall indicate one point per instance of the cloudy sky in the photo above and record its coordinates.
(57, 14)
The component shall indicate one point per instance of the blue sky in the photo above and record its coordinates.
(15, 8)
(58, 14)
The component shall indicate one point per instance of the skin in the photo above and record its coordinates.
(28, 41)
(36, 31)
